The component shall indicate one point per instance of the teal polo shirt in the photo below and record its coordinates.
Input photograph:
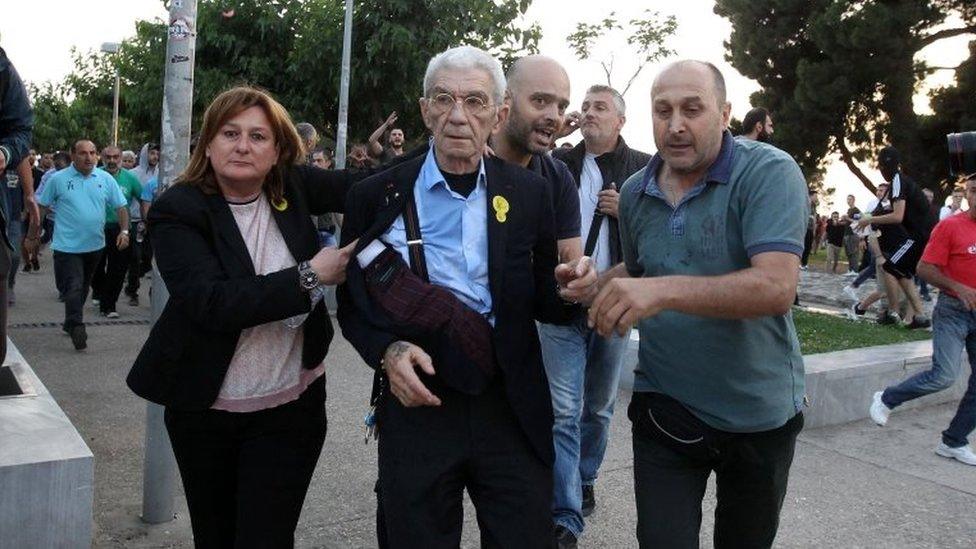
(735, 375)
(80, 201)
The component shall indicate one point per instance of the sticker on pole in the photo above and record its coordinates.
(177, 4)
(179, 30)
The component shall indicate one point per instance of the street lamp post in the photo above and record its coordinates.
(340, 152)
(113, 48)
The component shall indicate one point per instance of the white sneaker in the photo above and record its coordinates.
(851, 293)
(879, 411)
(850, 273)
(962, 454)
(113, 314)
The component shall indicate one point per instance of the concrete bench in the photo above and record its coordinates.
(46, 469)
(840, 385)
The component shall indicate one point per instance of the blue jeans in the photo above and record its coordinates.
(866, 273)
(583, 370)
(953, 328)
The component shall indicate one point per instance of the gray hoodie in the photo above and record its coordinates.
(143, 172)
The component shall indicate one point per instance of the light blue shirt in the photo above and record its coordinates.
(455, 234)
(81, 201)
(149, 190)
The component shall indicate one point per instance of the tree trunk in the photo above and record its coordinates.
(848, 158)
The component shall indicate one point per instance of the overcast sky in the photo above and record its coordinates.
(39, 34)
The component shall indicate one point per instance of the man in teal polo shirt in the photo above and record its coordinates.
(80, 193)
(712, 233)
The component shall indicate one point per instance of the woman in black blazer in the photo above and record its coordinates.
(237, 355)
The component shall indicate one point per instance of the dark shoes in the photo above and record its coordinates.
(886, 318)
(918, 323)
(79, 338)
(564, 538)
(589, 500)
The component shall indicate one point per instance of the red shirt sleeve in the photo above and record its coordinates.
(940, 243)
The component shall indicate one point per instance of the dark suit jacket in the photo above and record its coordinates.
(521, 258)
(214, 292)
(615, 166)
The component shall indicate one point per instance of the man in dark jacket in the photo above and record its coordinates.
(16, 123)
(482, 229)
(584, 368)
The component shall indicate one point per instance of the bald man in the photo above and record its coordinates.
(584, 368)
(537, 95)
(81, 193)
(708, 278)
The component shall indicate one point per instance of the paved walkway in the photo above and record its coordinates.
(823, 289)
(854, 485)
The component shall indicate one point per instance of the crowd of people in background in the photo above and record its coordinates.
(492, 281)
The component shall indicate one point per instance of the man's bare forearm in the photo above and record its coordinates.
(748, 293)
(932, 274)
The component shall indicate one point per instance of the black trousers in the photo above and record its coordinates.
(428, 456)
(246, 474)
(134, 272)
(674, 454)
(4, 269)
(73, 274)
(807, 247)
(110, 271)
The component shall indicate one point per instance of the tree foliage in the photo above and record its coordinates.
(840, 77)
(646, 35)
(293, 48)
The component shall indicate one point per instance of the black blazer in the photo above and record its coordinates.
(522, 256)
(214, 292)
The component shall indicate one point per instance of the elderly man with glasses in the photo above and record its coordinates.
(478, 235)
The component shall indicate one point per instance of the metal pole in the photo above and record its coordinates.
(340, 153)
(115, 108)
(159, 468)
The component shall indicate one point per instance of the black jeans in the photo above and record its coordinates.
(135, 271)
(246, 474)
(428, 456)
(73, 274)
(674, 454)
(110, 271)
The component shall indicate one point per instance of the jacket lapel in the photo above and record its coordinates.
(399, 182)
(497, 230)
(292, 223)
(228, 233)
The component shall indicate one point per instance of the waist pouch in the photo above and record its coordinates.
(666, 421)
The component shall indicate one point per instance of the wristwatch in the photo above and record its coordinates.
(125, 232)
(307, 277)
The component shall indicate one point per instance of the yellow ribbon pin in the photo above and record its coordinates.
(501, 208)
(281, 205)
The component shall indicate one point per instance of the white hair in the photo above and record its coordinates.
(467, 57)
(128, 154)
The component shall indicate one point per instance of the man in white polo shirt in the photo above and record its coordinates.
(81, 193)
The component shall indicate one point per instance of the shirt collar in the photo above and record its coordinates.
(719, 172)
(431, 176)
(74, 171)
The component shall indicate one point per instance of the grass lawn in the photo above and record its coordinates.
(820, 333)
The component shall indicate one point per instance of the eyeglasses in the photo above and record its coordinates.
(472, 104)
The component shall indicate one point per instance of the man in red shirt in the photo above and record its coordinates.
(949, 262)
